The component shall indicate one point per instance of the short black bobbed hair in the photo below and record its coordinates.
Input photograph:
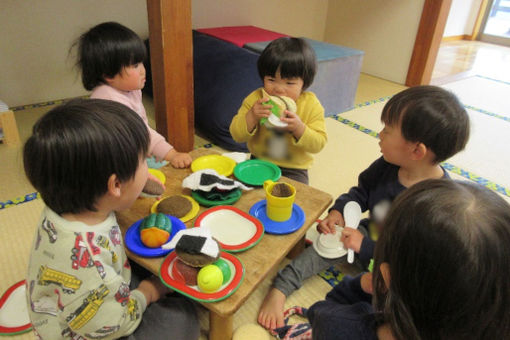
(430, 115)
(293, 57)
(77, 146)
(105, 49)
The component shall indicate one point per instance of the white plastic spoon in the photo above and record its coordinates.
(352, 216)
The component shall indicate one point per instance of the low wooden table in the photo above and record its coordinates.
(258, 261)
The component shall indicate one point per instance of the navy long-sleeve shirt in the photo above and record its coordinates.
(378, 184)
(347, 313)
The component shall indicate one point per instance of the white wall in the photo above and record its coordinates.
(462, 17)
(297, 18)
(35, 37)
(384, 30)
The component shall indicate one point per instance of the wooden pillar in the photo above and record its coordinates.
(172, 70)
(428, 38)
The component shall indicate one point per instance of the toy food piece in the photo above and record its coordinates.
(210, 278)
(186, 273)
(155, 230)
(281, 190)
(153, 187)
(190, 250)
(177, 206)
(280, 104)
(225, 269)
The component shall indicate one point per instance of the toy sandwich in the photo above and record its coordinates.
(280, 104)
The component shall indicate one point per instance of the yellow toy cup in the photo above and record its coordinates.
(279, 202)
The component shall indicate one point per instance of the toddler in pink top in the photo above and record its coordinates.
(110, 57)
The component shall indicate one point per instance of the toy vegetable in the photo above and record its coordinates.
(155, 230)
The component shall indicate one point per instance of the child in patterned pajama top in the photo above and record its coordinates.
(79, 281)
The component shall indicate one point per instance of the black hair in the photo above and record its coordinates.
(293, 57)
(105, 49)
(432, 116)
(77, 146)
(446, 245)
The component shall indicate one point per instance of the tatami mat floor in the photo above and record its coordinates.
(351, 147)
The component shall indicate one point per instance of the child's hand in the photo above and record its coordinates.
(366, 283)
(294, 124)
(259, 110)
(256, 113)
(153, 289)
(327, 225)
(181, 160)
(352, 239)
(178, 160)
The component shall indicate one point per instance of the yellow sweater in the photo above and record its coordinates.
(311, 113)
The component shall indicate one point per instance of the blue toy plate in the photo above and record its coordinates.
(295, 221)
(134, 243)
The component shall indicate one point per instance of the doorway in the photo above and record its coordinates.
(495, 27)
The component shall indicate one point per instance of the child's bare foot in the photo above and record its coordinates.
(271, 311)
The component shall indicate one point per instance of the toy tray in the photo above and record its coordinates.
(236, 268)
(234, 229)
(135, 245)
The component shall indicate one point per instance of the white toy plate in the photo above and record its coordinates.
(234, 229)
(329, 245)
(276, 122)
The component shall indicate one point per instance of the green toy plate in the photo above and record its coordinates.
(256, 171)
(236, 195)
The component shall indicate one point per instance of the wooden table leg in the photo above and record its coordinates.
(298, 249)
(220, 327)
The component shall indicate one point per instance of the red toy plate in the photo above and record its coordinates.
(177, 284)
(14, 291)
(234, 229)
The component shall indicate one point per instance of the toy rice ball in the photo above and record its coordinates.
(155, 230)
(197, 251)
(177, 206)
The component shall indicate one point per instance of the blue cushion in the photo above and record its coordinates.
(323, 51)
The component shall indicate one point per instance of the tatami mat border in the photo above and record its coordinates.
(43, 104)
(35, 195)
(496, 80)
(464, 173)
(19, 200)
(488, 113)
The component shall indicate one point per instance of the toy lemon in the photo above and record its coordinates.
(155, 230)
(210, 278)
(225, 269)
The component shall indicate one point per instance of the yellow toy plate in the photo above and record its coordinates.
(222, 164)
(158, 174)
(192, 213)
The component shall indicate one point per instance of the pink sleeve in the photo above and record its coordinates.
(158, 147)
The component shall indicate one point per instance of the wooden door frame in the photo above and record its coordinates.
(426, 46)
(171, 54)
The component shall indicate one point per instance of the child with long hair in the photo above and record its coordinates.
(441, 271)
(79, 281)
(287, 67)
(110, 57)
